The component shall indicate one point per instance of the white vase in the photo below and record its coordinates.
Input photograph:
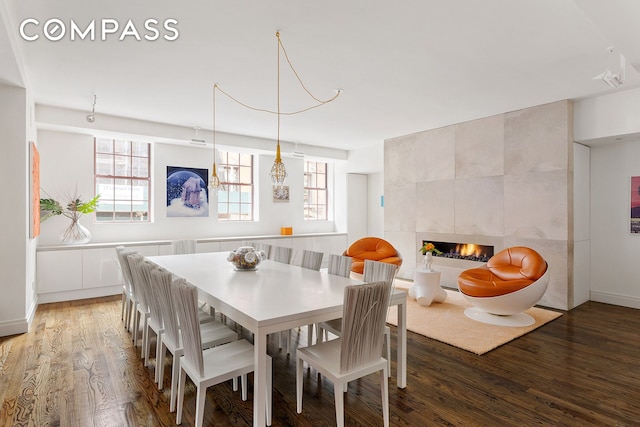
(75, 234)
(428, 259)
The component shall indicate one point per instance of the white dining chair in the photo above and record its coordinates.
(265, 247)
(282, 254)
(141, 314)
(357, 353)
(339, 265)
(313, 261)
(183, 247)
(374, 271)
(127, 293)
(141, 272)
(212, 366)
(211, 333)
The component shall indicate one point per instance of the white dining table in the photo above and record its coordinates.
(275, 297)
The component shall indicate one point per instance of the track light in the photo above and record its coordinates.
(92, 117)
(609, 77)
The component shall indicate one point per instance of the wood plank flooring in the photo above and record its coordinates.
(78, 367)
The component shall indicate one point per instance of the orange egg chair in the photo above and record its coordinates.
(373, 248)
(512, 281)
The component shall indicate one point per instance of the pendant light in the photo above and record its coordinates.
(278, 171)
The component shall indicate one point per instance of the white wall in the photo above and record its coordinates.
(614, 251)
(18, 251)
(375, 213)
(67, 166)
(581, 224)
(370, 162)
(504, 180)
(357, 206)
(607, 115)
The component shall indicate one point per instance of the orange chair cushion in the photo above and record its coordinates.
(507, 271)
(372, 248)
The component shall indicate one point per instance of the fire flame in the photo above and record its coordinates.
(468, 249)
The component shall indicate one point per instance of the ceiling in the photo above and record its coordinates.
(403, 66)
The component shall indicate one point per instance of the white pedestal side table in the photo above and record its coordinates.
(426, 287)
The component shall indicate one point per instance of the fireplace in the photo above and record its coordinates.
(465, 251)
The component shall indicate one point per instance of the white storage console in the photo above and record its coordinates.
(66, 273)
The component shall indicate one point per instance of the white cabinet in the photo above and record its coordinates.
(74, 273)
(58, 271)
(67, 273)
(100, 267)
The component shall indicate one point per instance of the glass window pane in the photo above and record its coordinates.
(321, 167)
(104, 164)
(104, 145)
(139, 190)
(234, 158)
(321, 181)
(246, 159)
(122, 166)
(245, 175)
(122, 189)
(139, 149)
(122, 147)
(141, 215)
(123, 206)
(104, 216)
(104, 187)
(123, 216)
(140, 166)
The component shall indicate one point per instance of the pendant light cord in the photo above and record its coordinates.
(278, 68)
(278, 112)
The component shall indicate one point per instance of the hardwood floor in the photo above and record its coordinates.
(78, 367)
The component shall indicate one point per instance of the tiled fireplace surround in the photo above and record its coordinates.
(504, 180)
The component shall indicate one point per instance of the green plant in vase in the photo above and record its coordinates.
(75, 233)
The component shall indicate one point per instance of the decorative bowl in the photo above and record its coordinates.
(246, 258)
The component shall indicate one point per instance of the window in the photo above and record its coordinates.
(235, 201)
(315, 191)
(122, 180)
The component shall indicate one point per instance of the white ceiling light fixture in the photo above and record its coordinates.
(92, 117)
(195, 140)
(609, 77)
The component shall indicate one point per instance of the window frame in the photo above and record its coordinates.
(223, 162)
(308, 188)
(131, 178)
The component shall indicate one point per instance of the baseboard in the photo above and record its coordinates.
(19, 326)
(32, 311)
(14, 327)
(79, 294)
(615, 299)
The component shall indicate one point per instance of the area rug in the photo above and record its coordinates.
(446, 322)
